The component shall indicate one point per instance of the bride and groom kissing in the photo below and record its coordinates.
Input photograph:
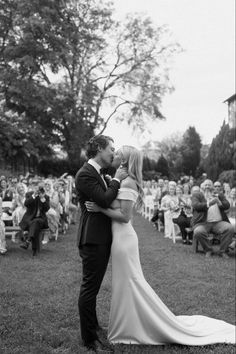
(137, 314)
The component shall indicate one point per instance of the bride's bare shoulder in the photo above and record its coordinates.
(129, 183)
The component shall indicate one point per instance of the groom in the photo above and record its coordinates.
(94, 233)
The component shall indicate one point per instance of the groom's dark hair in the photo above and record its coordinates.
(96, 142)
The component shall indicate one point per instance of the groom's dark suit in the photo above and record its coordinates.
(94, 241)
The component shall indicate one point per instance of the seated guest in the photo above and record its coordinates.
(64, 201)
(5, 192)
(25, 184)
(52, 214)
(209, 217)
(170, 206)
(72, 207)
(226, 190)
(231, 213)
(6, 195)
(186, 190)
(13, 185)
(3, 248)
(217, 188)
(35, 219)
(18, 204)
(160, 193)
(183, 216)
(147, 188)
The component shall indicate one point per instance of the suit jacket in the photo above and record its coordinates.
(199, 205)
(94, 228)
(32, 206)
(6, 196)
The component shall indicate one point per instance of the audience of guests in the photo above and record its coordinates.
(18, 210)
(184, 218)
(209, 217)
(173, 204)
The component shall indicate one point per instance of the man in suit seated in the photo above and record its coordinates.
(209, 217)
(34, 219)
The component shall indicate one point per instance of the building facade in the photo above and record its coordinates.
(231, 101)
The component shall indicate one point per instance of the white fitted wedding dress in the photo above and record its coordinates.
(137, 314)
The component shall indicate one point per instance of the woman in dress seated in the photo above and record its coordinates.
(18, 206)
(52, 214)
(170, 206)
(183, 215)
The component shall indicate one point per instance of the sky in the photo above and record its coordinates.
(203, 75)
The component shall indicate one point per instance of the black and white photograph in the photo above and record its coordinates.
(117, 177)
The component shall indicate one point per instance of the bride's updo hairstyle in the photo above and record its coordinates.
(132, 159)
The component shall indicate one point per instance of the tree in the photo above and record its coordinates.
(19, 144)
(75, 39)
(101, 84)
(28, 48)
(191, 151)
(221, 156)
(162, 166)
(170, 148)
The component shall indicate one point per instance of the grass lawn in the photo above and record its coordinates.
(38, 295)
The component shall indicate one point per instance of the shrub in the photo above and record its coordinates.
(228, 177)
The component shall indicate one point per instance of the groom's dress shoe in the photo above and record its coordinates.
(98, 347)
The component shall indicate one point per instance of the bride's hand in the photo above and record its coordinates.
(92, 207)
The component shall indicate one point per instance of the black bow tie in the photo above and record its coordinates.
(103, 171)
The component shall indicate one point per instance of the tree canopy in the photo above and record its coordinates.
(67, 68)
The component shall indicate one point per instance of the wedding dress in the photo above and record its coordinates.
(137, 314)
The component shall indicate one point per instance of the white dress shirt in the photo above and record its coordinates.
(98, 169)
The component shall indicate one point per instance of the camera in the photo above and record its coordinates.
(41, 190)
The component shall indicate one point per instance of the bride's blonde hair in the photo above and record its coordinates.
(133, 159)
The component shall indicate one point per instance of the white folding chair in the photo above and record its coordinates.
(171, 230)
(10, 229)
(6, 211)
(149, 207)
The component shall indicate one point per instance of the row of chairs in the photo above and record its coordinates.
(171, 229)
(13, 231)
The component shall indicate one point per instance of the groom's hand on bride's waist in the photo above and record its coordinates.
(92, 207)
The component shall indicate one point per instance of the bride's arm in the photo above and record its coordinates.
(123, 214)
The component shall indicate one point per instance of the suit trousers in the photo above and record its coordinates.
(94, 264)
(222, 228)
(35, 226)
(183, 221)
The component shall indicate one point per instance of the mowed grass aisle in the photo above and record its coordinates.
(38, 296)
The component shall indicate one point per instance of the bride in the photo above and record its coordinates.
(137, 314)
